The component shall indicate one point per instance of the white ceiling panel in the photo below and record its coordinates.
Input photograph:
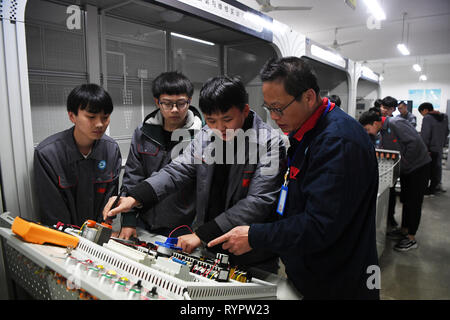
(428, 22)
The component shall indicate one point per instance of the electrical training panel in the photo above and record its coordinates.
(137, 270)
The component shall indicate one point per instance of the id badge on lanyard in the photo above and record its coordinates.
(284, 188)
(283, 194)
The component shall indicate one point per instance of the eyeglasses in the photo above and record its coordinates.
(279, 111)
(179, 104)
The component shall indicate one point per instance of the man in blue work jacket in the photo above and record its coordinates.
(326, 231)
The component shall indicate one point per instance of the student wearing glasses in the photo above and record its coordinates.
(150, 151)
(325, 234)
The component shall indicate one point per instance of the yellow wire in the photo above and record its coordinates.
(79, 232)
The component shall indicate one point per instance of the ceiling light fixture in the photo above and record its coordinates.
(192, 39)
(403, 49)
(417, 67)
(402, 46)
(423, 76)
(375, 9)
(381, 77)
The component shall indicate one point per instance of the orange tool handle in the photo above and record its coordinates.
(36, 233)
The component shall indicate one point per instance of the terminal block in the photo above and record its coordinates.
(178, 270)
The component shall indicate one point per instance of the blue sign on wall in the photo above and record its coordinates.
(419, 96)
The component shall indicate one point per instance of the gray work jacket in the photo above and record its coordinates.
(148, 154)
(410, 118)
(253, 186)
(398, 132)
(435, 131)
(71, 188)
(254, 182)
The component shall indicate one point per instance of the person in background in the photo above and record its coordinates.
(414, 172)
(150, 150)
(377, 103)
(335, 99)
(232, 187)
(376, 110)
(376, 141)
(77, 170)
(434, 133)
(376, 106)
(389, 142)
(325, 234)
(388, 106)
(405, 114)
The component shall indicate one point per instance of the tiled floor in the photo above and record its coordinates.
(422, 273)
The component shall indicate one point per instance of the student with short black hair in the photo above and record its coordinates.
(414, 171)
(230, 190)
(335, 99)
(150, 151)
(434, 133)
(388, 106)
(376, 107)
(77, 170)
(377, 103)
(405, 114)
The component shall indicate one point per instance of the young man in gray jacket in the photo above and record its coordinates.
(77, 170)
(150, 151)
(414, 170)
(236, 162)
(434, 133)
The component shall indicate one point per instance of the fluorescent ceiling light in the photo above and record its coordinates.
(403, 49)
(192, 39)
(329, 56)
(417, 67)
(375, 9)
(423, 77)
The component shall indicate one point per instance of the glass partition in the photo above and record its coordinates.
(366, 94)
(198, 61)
(332, 81)
(136, 43)
(56, 64)
(246, 61)
(135, 55)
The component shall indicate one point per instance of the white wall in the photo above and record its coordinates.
(400, 79)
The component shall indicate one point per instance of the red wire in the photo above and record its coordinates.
(184, 225)
(60, 224)
(212, 267)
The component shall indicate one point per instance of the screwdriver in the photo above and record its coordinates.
(122, 193)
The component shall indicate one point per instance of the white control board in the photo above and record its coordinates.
(115, 271)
